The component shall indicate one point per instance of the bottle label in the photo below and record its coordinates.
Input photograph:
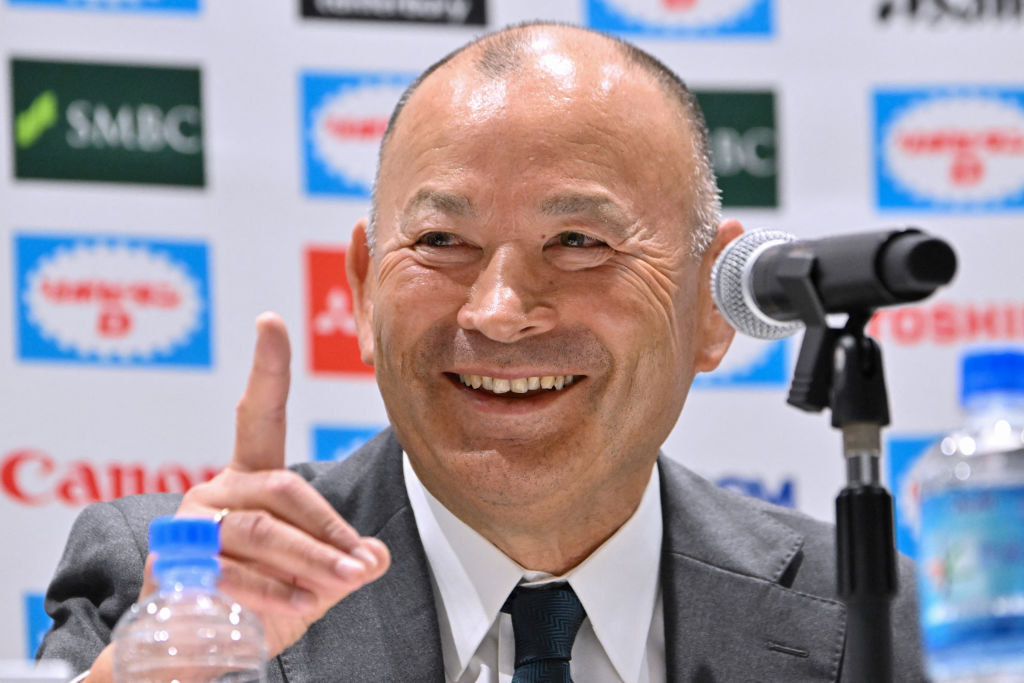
(971, 566)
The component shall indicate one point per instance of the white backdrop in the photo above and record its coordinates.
(127, 308)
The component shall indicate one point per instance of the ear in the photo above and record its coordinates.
(714, 333)
(359, 269)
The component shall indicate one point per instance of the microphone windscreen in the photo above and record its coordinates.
(731, 289)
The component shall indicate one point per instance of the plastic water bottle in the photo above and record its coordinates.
(970, 564)
(187, 631)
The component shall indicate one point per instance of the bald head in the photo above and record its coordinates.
(509, 53)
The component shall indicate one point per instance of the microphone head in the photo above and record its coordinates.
(731, 286)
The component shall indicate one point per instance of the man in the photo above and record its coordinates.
(533, 292)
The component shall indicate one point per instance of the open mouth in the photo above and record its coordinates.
(517, 386)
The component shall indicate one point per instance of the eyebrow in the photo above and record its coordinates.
(446, 202)
(597, 207)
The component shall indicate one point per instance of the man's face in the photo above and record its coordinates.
(532, 231)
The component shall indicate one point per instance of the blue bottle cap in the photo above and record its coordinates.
(986, 372)
(180, 542)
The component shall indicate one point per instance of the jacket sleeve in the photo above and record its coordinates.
(907, 659)
(99, 576)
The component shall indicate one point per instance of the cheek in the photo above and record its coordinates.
(407, 282)
(408, 300)
(648, 320)
(637, 301)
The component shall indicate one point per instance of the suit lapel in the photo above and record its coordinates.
(728, 616)
(386, 631)
(726, 567)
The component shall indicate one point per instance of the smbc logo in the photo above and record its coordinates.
(36, 120)
(136, 124)
(744, 151)
(145, 127)
(742, 138)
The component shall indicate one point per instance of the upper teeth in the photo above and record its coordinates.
(519, 385)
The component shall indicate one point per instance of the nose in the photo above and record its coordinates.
(505, 303)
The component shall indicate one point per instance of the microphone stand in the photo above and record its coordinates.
(842, 368)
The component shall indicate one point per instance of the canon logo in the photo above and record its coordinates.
(950, 323)
(32, 477)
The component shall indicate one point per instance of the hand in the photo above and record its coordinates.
(286, 554)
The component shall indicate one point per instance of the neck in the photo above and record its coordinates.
(553, 534)
(554, 552)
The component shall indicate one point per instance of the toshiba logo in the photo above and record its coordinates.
(33, 477)
(946, 323)
(951, 148)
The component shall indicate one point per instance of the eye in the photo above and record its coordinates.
(442, 249)
(439, 239)
(578, 240)
(572, 250)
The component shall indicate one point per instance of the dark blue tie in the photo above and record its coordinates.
(545, 621)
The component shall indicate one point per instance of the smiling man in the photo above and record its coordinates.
(533, 292)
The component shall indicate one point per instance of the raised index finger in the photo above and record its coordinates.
(260, 417)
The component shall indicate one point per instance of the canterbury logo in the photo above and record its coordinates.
(40, 116)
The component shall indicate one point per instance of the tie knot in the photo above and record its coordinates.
(544, 622)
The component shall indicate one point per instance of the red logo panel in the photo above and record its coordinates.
(331, 327)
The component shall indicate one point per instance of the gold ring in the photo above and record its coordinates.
(219, 517)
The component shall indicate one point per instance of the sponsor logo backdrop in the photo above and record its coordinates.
(344, 117)
(464, 12)
(182, 6)
(91, 299)
(950, 148)
(162, 182)
(130, 124)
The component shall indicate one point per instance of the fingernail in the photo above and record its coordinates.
(368, 558)
(349, 568)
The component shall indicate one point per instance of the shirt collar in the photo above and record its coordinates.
(473, 579)
(618, 584)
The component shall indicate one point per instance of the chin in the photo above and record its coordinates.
(508, 470)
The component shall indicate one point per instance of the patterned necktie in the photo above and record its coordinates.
(544, 621)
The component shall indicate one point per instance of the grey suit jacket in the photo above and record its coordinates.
(748, 588)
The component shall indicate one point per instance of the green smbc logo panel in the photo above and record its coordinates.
(106, 122)
(742, 137)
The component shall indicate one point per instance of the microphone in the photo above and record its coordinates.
(851, 273)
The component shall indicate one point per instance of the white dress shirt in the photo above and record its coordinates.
(623, 636)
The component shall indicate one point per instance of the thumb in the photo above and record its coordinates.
(260, 417)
